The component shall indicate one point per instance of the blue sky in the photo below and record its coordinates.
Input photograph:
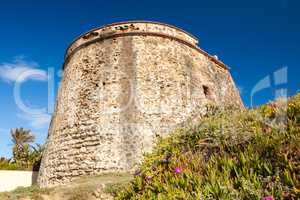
(255, 38)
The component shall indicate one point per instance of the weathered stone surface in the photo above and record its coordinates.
(123, 85)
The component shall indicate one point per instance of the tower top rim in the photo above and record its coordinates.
(131, 22)
(193, 38)
(132, 28)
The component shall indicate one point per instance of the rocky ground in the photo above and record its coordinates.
(102, 187)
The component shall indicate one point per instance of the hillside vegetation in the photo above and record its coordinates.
(229, 154)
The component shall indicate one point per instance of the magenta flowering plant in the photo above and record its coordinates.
(178, 170)
(148, 178)
(268, 198)
(228, 155)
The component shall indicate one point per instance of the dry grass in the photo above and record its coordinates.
(103, 187)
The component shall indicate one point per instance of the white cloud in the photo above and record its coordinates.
(36, 121)
(21, 70)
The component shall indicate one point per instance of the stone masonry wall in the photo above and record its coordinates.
(120, 91)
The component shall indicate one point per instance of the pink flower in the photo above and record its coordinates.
(268, 198)
(148, 179)
(177, 170)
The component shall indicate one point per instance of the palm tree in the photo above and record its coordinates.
(21, 139)
(20, 136)
(35, 156)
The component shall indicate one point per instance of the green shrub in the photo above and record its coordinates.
(7, 165)
(230, 154)
(31, 161)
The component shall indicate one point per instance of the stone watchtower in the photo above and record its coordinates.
(124, 84)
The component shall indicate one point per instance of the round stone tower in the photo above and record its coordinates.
(123, 85)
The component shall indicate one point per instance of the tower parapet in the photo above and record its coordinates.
(140, 28)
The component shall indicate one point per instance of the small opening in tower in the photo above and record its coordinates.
(207, 91)
(103, 83)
